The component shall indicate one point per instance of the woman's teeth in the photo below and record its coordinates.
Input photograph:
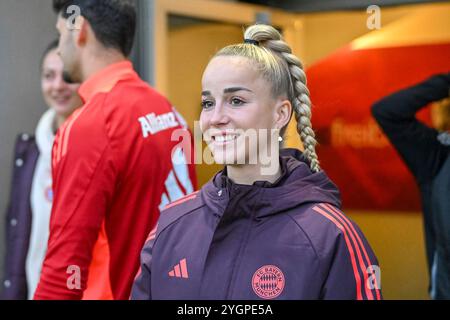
(224, 138)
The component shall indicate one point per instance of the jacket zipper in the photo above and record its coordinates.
(239, 257)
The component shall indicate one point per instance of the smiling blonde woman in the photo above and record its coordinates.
(248, 235)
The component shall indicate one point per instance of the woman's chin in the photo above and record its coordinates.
(230, 159)
(63, 110)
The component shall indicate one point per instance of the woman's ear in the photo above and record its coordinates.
(283, 111)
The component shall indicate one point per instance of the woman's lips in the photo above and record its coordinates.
(62, 99)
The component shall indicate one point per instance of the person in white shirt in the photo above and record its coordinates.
(28, 225)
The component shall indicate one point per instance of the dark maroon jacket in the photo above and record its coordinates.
(287, 240)
(18, 219)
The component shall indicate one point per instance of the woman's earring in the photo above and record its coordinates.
(280, 138)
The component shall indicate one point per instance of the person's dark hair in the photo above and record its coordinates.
(50, 47)
(113, 21)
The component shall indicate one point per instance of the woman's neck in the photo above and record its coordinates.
(249, 173)
(57, 122)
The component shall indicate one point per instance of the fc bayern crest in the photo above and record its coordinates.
(268, 282)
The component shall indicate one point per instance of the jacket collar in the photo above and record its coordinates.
(106, 79)
(297, 185)
(44, 133)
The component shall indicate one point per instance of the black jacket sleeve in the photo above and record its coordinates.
(416, 143)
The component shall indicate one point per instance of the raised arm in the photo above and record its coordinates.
(416, 142)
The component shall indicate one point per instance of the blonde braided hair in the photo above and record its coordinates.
(284, 71)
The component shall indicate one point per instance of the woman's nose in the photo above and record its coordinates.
(59, 83)
(219, 115)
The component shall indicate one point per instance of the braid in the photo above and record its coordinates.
(269, 38)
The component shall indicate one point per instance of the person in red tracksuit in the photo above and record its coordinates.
(113, 162)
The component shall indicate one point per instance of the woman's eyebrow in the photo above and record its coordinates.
(234, 89)
(227, 90)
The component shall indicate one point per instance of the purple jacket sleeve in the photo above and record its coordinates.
(354, 272)
(141, 289)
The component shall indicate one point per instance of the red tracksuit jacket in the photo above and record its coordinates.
(112, 170)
